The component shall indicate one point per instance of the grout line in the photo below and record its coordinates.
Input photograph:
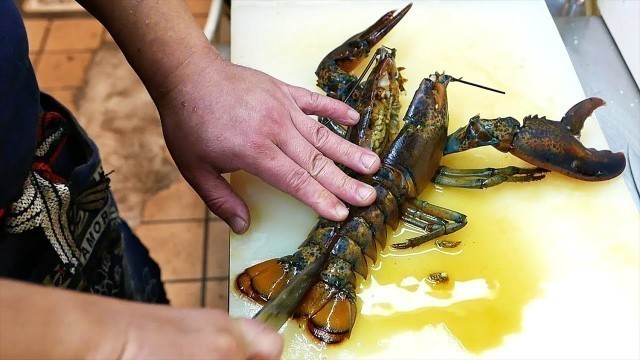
(205, 248)
(170, 221)
(57, 15)
(59, 88)
(69, 51)
(191, 280)
(178, 281)
(43, 41)
(228, 263)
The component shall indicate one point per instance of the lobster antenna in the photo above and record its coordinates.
(477, 85)
(366, 70)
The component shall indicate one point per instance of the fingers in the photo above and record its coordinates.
(261, 341)
(324, 171)
(336, 148)
(220, 198)
(313, 103)
(281, 171)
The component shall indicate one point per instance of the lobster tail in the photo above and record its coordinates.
(262, 281)
(334, 321)
(330, 306)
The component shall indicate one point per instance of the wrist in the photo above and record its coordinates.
(68, 324)
(181, 78)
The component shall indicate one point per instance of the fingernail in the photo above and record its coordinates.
(353, 115)
(341, 211)
(238, 225)
(368, 160)
(365, 192)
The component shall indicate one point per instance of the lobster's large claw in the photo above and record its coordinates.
(575, 117)
(333, 71)
(553, 145)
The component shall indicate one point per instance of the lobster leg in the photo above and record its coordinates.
(487, 177)
(551, 145)
(434, 220)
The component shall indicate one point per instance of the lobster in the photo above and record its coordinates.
(410, 162)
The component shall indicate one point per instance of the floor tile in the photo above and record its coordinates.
(178, 202)
(65, 96)
(217, 294)
(74, 34)
(201, 20)
(62, 70)
(51, 8)
(35, 59)
(184, 294)
(36, 30)
(177, 247)
(106, 36)
(199, 7)
(217, 249)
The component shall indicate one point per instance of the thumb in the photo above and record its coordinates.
(220, 198)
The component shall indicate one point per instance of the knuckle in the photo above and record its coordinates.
(297, 180)
(344, 182)
(216, 205)
(348, 150)
(254, 143)
(315, 98)
(321, 136)
(318, 164)
(271, 115)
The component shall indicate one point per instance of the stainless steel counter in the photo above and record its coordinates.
(603, 73)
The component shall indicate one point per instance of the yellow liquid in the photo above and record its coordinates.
(536, 260)
(491, 279)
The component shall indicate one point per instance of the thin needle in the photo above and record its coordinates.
(359, 79)
(379, 54)
(477, 85)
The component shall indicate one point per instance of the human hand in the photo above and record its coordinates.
(162, 332)
(219, 117)
(98, 327)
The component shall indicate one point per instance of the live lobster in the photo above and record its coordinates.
(411, 160)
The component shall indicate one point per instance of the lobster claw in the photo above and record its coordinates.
(575, 117)
(550, 145)
(554, 146)
(333, 71)
(352, 51)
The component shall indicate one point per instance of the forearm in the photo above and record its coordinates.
(38, 322)
(156, 36)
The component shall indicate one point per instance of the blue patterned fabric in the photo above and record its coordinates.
(59, 224)
(19, 105)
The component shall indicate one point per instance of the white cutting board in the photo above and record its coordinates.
(545, 270)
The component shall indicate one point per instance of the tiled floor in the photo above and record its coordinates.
(190, 244)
